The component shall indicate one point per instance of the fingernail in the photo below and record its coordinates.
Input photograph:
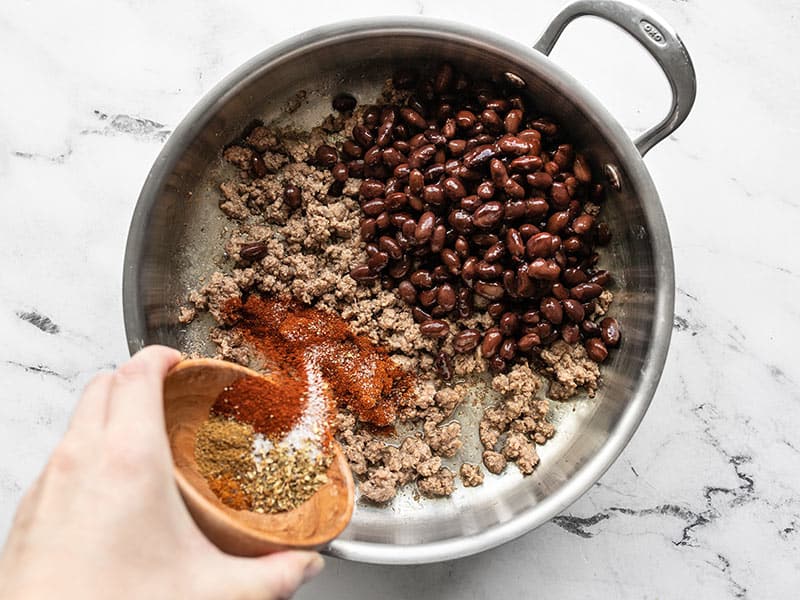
(313, 568)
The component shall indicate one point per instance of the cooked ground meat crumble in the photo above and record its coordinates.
(309, 252)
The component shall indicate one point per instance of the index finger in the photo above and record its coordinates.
(137, 388)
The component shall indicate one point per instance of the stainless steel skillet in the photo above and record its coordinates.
(177, 232)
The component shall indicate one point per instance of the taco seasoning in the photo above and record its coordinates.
(267, 444)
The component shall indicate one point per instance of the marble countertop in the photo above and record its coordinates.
(704, 502)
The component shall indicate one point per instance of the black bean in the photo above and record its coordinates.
(609, 331)
(454, 189)
(422, 155)
(433, 193)
(536, 208)
(486, 270)
(427, 298)
(526, 164)
(351, 149)
(446, 297)
(492, 339)
(373, 156)
(484, 240)
(356, 168)
(480, 155)
(466, 340)
(513, 120)
(466, 119)
(585, 291)
(583, 224)
(373, 208)
(539, 180)
(528, 341)
(590, 328)
(384, 136)
(563, 156)
(292, 195)
(495, 252)
(493, 291)
(488, 215)
(435, 137)
(407, 292)
(343, 103)
(378, 261)
(509, 321)
(412, 117)
(513, 146)
(258, 165)
(514, 244)
(574, 276)
(596, 350)
(371, 188)
(557, 221)
(508, 349)
(420, 316)
(499, 173)
(541, 268)
(497, 364)
(552, 310)
(574, 310)
(435, 328)
(602, 278)
(327, 156)
(421, 278)
(469, 269)
(424, 228)
(451, 260)
(253, 251)
(363, 273)
(461, 221)
(464, 303)
(409, 228)
(390, 246)
(340, 172)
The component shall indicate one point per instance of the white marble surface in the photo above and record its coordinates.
(705, 501)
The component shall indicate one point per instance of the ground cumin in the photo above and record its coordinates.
(223, 451)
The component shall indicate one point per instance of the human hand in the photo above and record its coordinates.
(105, 518)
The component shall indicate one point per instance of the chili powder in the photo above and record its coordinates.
(292, 339)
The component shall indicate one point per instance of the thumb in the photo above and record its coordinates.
(273, 577)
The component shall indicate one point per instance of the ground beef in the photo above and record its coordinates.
(471, 475)
(571, 369)
(494, 462)
(239, 156)
(445, 440)
(380, 486)
(520, 450)
(438, 484)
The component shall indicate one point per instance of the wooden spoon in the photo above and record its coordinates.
(190, 390)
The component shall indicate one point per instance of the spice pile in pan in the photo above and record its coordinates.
(455, 227)
(267, 444)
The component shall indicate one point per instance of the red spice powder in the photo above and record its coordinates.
(270, 407)
(292, 338)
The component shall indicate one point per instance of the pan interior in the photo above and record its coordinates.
(179, 235)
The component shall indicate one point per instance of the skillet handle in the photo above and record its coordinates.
(657, 37)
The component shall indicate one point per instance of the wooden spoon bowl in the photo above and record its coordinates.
(190, 390)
